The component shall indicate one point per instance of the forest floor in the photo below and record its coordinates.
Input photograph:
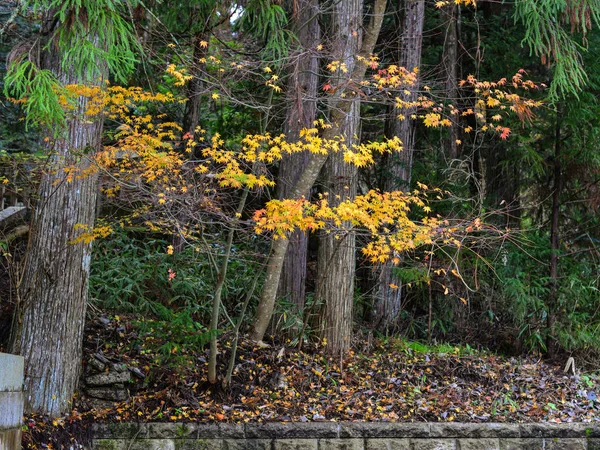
(391, 381)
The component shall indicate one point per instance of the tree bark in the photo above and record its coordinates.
(191, 117)
(309, 175)
(554, 238)
(302, 96)
(48, 328)
(450, 65)
(388, 300)
(410, 57)
(221, 278)
(337, 252)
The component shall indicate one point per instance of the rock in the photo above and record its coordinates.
(96, 365)
(108, 393)
(119, 367)
(137, 372)
(98, 404)
(105, 378)
(100, 357)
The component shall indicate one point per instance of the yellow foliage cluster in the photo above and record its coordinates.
(88, 234)
(148, 152)
(181, 76)
(394, 77)
(382, 215)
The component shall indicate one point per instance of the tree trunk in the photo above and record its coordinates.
(302, 95)
(410, 57)
(337, 253)
(221, 278)
(309, 175)
(389, 290)
(553, 308)
(191, 117)
(48, 329)
(450, 65)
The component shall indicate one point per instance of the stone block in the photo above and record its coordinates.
(99, 404)
(341, 444)
(103, 431)
(11, 410)
(560, 430)
(109, 444)
(295, 444)
(478, 444)
(393, 430)
(349, 430)
(231, 430)
(208, 431)
(158, 430)
(593, 444)
(153, 444)
(565, 444)
(387, 444)
(288, 430)
(10, 439)
(433, 444)
(474, 430)
(96, 365)
(108, 393)
(107, 378)
(11, 372)
(247, 444)
(198, 444)
(521, 444)
(591, 430)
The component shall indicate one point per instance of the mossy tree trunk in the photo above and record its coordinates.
(48, 327)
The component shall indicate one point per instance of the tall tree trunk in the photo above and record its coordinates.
(302, 96)
(340, 110)
(191, 117)
(410, 57)
(450, 65)
(389, 290)
(48, 329)
(337, 253)
(553, 308)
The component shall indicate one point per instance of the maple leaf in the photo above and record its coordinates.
(505, 133)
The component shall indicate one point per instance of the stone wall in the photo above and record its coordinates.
(347, 436)
(11, 401)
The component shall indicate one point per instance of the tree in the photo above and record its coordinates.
(301, 113)
(337, 252)
(389, 288)
(339, 108)
(48, 327)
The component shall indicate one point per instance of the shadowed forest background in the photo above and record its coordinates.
(325, 175)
